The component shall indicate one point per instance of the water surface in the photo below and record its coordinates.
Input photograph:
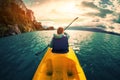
(98, 53)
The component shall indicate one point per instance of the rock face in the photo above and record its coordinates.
(15, 18)
(13, 29)
(50, 28)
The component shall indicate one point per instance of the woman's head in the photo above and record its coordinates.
(60, 30)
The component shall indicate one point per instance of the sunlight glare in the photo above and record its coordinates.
(68, 8)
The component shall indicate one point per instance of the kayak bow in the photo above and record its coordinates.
(56, 66)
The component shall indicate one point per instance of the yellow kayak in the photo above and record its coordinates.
(56, 66)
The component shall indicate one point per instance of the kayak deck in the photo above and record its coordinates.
(59, 67)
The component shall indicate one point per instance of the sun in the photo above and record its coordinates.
(68, 8)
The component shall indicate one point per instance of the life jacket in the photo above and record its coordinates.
(60, 45)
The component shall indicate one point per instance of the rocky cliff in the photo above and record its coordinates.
(15, 18)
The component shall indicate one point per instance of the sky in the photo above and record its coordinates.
(91, 13)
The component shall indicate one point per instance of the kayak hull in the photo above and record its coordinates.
(56, 66)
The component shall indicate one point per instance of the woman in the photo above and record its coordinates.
(59, 43)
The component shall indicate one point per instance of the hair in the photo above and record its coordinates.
(60, 30)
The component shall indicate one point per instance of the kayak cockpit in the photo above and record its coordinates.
(59, 68)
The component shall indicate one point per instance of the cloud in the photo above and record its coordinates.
(89, 5)
(35, 3)
(104, 12)
(117, 19)
(99, 11)
(91, 12)
(39, 1)
(42, 2)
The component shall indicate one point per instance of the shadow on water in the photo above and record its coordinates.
(93, 30)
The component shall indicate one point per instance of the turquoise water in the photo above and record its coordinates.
(98, 53)
(101, 57)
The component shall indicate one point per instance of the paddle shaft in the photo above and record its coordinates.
(48, 45)
(71, 23)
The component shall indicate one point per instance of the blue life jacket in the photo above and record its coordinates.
(60, 45)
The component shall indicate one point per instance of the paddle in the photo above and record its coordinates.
(48, 45)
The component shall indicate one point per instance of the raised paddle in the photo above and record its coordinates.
(48, 45)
